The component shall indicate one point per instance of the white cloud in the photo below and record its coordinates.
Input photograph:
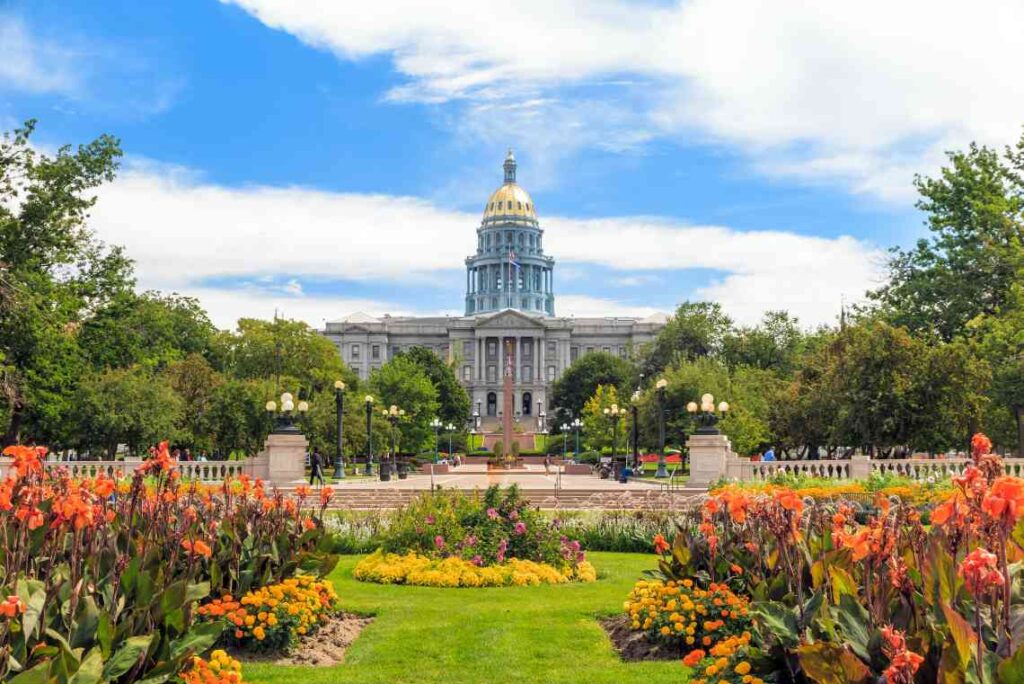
(30, 64)
(862, 93)
(186, 234)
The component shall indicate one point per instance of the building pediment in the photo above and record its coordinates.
(509, 319)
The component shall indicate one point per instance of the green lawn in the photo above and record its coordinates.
(527, 634)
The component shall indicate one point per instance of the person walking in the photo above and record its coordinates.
(316, 467)
(769, 455)
(547, 463)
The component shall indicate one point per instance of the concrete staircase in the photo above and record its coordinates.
(354, 498)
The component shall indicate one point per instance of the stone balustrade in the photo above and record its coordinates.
(205, 471)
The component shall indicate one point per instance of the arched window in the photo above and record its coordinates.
(527, 404)
(492, 404)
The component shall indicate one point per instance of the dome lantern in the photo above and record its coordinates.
(510, 167)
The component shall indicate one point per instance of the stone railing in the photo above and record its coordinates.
(859, 467)
(205, 471)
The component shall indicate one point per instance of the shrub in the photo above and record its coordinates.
(483, 530)
(621, 531)
(106, 573)
(273, 617)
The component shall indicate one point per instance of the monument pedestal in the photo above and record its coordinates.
(708, 457)
(283, 459)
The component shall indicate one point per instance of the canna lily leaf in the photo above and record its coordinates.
(131, 652)
(826, 663)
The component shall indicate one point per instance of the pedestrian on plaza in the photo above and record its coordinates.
(769, 455)
(316, 467)
(547, 463)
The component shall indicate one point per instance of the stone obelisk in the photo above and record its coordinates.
(507, 401)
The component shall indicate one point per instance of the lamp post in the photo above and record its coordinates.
(392, 414)
(369, 435)
(476, 422)
(285, 416)
(339, 405)
(635, 409)
(707, 418)
(660, 387)
(436, 424)
(576, 425)
(451, 433)
(565, 436)
(614, 414)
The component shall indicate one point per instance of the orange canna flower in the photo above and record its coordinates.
(980, 445)
(693, 657)
(660, 544)
(197, 548)
(1004, 501)
(26, 459)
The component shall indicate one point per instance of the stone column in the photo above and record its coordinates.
(283, 459)
(708, 455)
(479, 359)
(501, 356)
(543, 377)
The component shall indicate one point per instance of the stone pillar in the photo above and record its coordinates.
(860, 466)
(479, 360)
(708, 454)
(283, 459)
(541, 365)
(501, 357)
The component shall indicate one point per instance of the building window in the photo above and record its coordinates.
(606, 350)
(467, 373)
(494, 302)
(551, 373)
(492, 374)
(590, 350)
(492, 348)
(492, 404)
(527, 374)
(622, 352)
(467, 348)
(394, 351)
(527, 404)
(574, 353)
(375, 352)
(527, 350)
(552, 347)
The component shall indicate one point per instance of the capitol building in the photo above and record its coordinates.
(510, 322)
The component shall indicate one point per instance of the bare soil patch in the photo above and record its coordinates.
(633, 646)
(326, 647)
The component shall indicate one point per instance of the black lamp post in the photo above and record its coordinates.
(662, 469)
(284, 414)
(369, 435)
(707, 418)
(634, 409)
(614, 414)
(436, 424)
(451, 433)
(576, 425)
(565, 436)
(393, 414)
(339, 405)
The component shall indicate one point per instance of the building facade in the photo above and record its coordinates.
(509, 322)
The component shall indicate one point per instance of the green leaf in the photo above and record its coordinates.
(1011, 670)
(131, 652)
(40, 674)
(198, 639)
(853, 621)
(779, 620)
(842, 583)
(87, 623)
(91, 669)
(826, 663)
(194, 592)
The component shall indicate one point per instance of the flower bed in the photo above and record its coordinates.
(103, 576)
(412, 568)
(275, 616)
(834, 600)
(864, 492)
(219, 669)
(451, 539)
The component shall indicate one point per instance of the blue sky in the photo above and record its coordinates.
(324, 157)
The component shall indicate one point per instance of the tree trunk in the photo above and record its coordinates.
(14, 427)
(1019, 413)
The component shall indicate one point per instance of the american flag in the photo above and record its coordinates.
(512, 259)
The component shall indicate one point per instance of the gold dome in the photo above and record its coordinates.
(510, 200)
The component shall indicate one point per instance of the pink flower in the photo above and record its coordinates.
(520, 528)
(492, 514)
(429, 520)
(477, 561)
(502, 548)
(514, 515)
(471, 540)
(439, 542)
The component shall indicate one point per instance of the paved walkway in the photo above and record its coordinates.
(476, 476)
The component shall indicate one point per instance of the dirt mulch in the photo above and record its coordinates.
(631, 645)
(326, 647)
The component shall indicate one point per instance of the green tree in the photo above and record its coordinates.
(53, 273)
(774, 344)
(130, 406)
(975, 212)
(454, 406)
(697, 329)
(580, 381)
(149, 329)
(236, 417)
(403, 383)
(598, 429)
(263, 349)
(195, 382)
